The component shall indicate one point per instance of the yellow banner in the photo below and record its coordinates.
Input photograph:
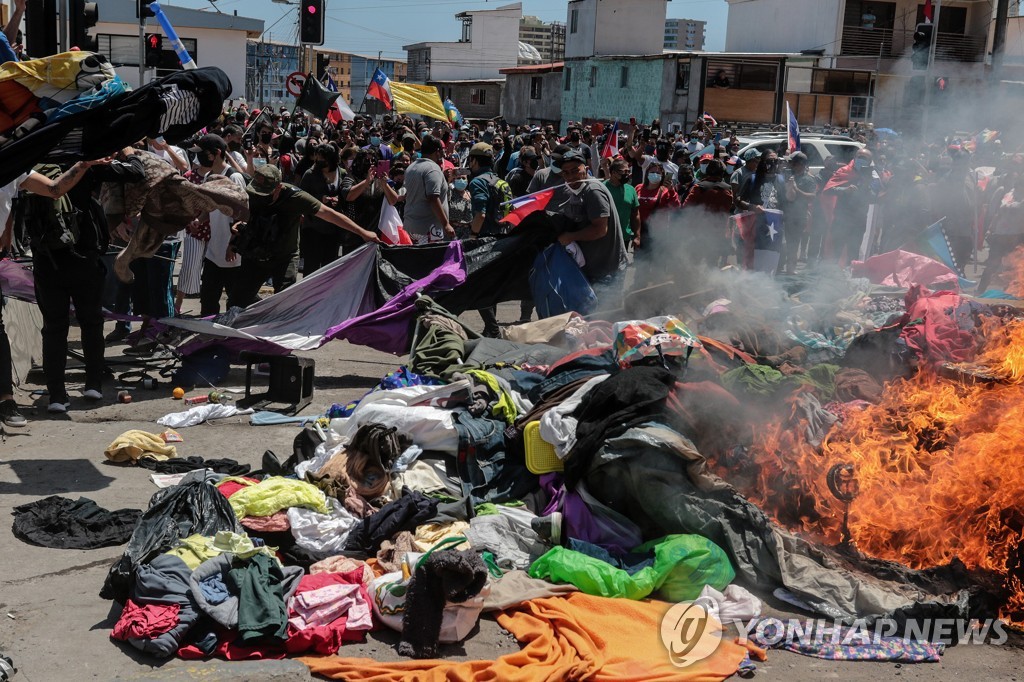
(418, 99)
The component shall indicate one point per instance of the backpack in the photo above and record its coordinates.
(499, 195)
(51, 224)
(258, 239)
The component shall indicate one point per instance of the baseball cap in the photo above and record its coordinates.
(798, 156)
(265, 180)
(573, 156)
(209, 143)
(707, 157)
(751, 154)
(482, 149)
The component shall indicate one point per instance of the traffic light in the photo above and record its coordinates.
(41, 28)
(154, 49)
(922, 46)
(142, 9)
(322, 62)
(311, 21)
(81, 17)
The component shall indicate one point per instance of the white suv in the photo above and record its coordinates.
(816, 147)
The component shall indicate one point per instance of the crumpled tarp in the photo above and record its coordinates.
(939, 326)
(904, 269)
(659, 478)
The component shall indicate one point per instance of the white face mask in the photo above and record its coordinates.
(490, 130)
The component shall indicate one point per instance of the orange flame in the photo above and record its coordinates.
(939, 466)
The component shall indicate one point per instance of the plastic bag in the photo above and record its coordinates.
(558, 284)
(636, 339)
(174, 513)
(683, 565)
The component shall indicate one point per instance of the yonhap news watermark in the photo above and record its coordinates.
(691, 632)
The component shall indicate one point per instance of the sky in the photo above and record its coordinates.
(367, 27)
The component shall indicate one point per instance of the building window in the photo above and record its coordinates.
(478, 96)
(593, 76)
(536, 87)
(574, 21)
(624, 77)
(467, 30)
(568, 79)
(683, 77)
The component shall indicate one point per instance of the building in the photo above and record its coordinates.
(533, 94)
(547, 38)
(866, 35)
(477, 99)
(211, 38)
(352, 74)
(685, 34)
(489, 43)
(268, 65)
(614, 27)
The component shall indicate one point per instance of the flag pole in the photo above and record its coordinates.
(928, 85)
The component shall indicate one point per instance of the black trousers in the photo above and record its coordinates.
(6, 368)
(252, 274)
(318, 249)
(63, 278)
(216, 280)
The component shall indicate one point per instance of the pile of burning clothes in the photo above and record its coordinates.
(843, 446)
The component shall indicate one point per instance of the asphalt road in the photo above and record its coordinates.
(55, 626)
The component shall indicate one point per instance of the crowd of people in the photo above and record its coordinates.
(666, 199)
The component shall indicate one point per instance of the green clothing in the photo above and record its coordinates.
(276, 493)
(504, 408)
(290, 208)
(260, 586)
(626, 201)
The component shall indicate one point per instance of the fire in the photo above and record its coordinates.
(938, 467)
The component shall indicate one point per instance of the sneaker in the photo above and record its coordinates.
(59, 408)
(92, 394)
(9, 414)
(548, 527)
(119, 334)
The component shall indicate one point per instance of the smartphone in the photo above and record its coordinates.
(632, 120)
(383, 168)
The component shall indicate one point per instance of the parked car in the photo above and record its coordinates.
(816, 147)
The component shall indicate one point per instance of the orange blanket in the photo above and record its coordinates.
(579, 637)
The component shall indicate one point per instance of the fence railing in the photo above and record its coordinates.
(889, 43)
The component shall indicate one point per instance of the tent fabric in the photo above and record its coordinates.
(578, 637)
(904, 269)
(657, 475)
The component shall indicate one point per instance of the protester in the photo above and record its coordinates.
(549, 177)
(627, 203)
(488, 193)
(657, 198)
(520, 177)
(320, 240)
(851, 191)
(801, 192)
(584, 210)
(705, 216)
(426, 196)
(220, 267)
(268, 242)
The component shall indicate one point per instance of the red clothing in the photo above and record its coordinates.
(147, 621)
(715, 197)
(656, 199)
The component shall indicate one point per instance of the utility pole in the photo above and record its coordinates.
(63, 26)
(928, 85)
(999, 37)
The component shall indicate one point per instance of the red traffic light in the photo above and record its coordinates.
(154, 41)
(311, 9)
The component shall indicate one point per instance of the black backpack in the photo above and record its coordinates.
(258, 239)
(51, 224)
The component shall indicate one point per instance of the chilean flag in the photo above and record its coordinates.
(380, 88)
(929, 11)
(525, 205)
(611, 145)
(794, 130)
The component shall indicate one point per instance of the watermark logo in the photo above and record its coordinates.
(690, 633)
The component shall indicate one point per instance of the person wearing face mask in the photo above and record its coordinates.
(460, 203)
(739, 178)
(219, 269)
(262, 153)
(546, 178)
(625, 198)
(376, 142)
(269, 240)
(656, 202)
(584, 212)
(801, 191)
(320, 241)
(706, 210)
(764, 191)
(847, 198)
(364, 190)
(426, 196)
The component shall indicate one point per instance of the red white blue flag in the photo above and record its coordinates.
(794, 130)
(611, 145)
(380, 88)
(525, 205)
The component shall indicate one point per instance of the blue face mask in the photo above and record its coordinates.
(374, 140)
(461, 184)
(654, 178)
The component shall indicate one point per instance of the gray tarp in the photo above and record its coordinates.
(657, 477)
